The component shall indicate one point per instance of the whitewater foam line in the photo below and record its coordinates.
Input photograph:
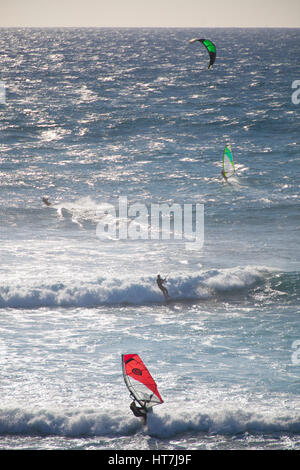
(225, 422)
(91, 423)
(116, 291)
(71, 424)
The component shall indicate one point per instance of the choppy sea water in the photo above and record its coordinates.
(92, 115)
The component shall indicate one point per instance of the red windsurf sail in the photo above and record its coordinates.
(139, 381)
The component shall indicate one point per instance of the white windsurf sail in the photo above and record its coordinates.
(228, 164)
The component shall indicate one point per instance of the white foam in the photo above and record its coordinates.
(138, 291)
(89, 422)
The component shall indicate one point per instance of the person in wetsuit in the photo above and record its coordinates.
(139, 411)
(45, 201)
(224, 175)
(160, 283)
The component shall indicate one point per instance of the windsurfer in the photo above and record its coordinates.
(45, 201)
(139, 411)
(224, 175)
(142, 387)
(160, 283)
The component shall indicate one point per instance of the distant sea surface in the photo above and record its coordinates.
(92, 115)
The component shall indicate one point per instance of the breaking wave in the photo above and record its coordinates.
(95, 423)
(218, 283)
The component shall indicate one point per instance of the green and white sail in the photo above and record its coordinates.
(228, 164)
(210, 47)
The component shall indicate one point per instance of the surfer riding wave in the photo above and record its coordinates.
(160, 283)
(46, 201)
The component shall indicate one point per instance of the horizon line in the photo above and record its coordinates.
(153, 27)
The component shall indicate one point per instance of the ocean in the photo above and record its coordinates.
(95, 116)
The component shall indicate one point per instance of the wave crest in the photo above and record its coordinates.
(114, 291)
(77, 423)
